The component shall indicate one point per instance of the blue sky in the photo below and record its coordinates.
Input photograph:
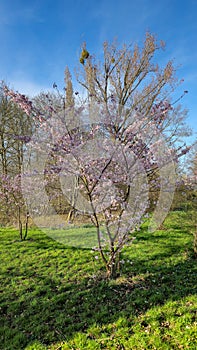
(39, 38)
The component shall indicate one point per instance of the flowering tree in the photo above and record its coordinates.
(12, 203)
(110, 149)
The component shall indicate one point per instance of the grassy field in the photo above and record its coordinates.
(55, 297)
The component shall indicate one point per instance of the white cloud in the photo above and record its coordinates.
(27, 87)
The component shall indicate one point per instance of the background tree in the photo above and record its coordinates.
(69, 95)
(16, 128)
(131, 77)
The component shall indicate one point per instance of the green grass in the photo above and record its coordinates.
(54, 296)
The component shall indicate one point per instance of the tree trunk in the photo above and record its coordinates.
(20, 226)
(26, 226)
(113, 267)
(71, 215)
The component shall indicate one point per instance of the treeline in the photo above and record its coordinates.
(16, 130)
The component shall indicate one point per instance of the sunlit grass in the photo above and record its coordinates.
(55, 297)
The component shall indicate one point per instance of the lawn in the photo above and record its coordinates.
(54, 296)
